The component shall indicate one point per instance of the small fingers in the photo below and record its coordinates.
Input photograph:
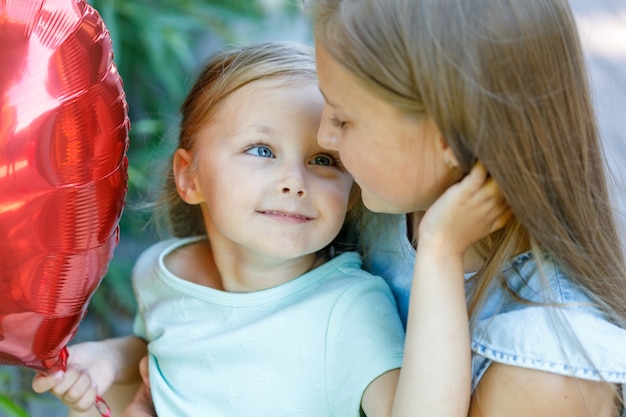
(70, 376)
(82, 401)
(489, 190)
(76, 389)
(479, 187)
(42, 383)
(497, 206)
(82, 394)
(143, 370)
(493, 204)
(476, 177)
(502, 220)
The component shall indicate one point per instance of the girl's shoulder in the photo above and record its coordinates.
(192, 260)
(170, 254)
(538, 318)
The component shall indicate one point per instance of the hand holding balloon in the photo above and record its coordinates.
(79, 385)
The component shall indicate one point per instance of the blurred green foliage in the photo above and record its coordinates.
(16, 395)
(158, 45)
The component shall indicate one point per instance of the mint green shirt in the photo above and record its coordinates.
(309, 347)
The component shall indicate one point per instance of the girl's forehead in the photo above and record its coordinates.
(265, 108)
(277, 88)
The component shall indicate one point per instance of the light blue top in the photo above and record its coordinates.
(506, 330)
(306, 348)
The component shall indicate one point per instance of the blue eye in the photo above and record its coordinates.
(260, 150)
(325, 160)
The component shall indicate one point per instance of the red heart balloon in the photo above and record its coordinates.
(63, 173)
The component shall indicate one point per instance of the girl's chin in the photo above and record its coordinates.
(378, 205)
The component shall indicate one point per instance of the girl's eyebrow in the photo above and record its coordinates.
(264, 130)
(244, 132)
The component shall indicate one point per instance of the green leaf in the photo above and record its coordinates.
(10, 409)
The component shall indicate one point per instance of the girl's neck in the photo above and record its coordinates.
(244, 272)
(226, 270)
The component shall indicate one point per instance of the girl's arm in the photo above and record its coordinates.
(435, 378)
(92, 368)
(512, 391)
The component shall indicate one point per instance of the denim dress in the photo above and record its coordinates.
(573, 339)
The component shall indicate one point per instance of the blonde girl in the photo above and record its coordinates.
(417, 91)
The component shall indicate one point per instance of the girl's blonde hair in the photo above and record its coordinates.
(227, 71)
(506, 83)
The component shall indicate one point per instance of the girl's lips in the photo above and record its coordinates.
(286, 215)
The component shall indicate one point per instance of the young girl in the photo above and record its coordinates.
(416, 92)
(257, 307)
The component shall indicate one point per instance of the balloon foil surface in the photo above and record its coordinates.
(63, 173)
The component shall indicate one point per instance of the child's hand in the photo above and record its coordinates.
(88, 374)
(465, 213)
(141, 405)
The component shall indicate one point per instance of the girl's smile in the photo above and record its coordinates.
(286, 217)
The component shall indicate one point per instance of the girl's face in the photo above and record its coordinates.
(266, 187)
(399, 161)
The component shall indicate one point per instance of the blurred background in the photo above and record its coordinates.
(160, 45)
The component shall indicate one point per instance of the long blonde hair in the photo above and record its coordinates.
(506, 83)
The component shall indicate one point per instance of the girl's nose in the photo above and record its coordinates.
(295, 190)
(293, 180)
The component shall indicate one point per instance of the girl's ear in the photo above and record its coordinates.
(185, 177)
(446, 153)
